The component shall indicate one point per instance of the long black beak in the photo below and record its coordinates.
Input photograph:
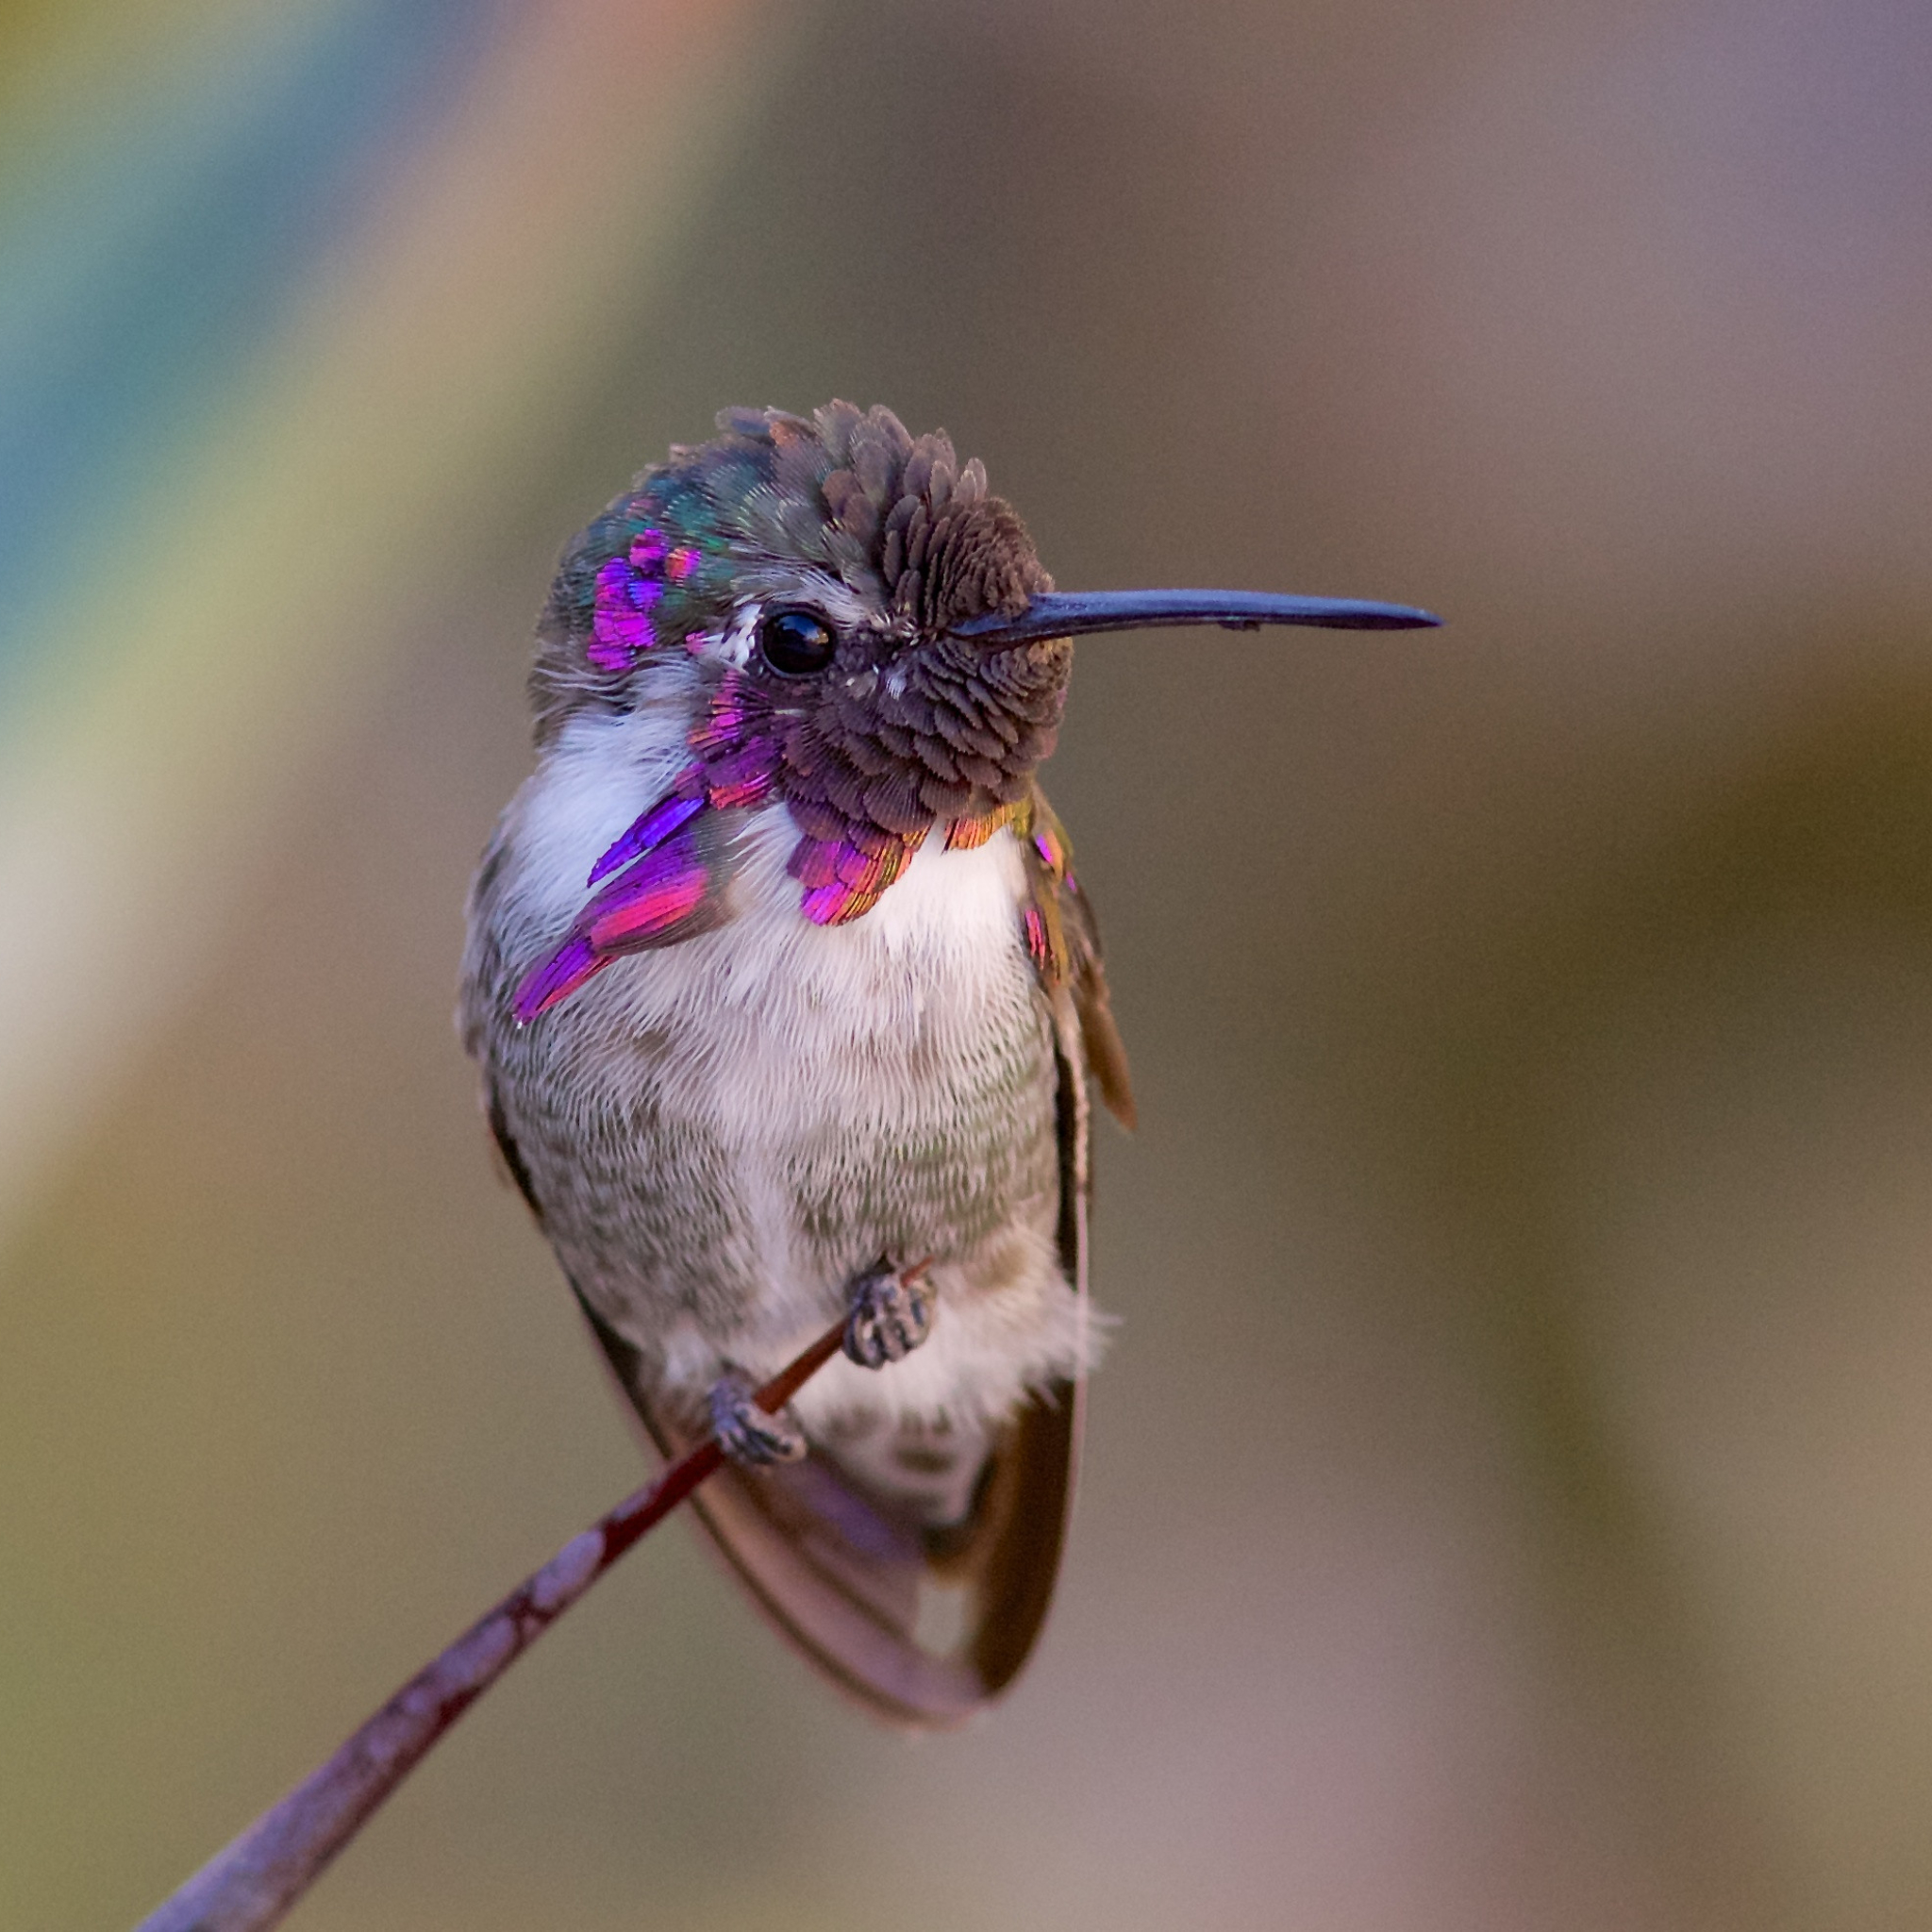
(1068, 614)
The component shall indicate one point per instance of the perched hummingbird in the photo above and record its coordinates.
(786, 1001)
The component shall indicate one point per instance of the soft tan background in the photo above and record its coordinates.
(1508, 1501)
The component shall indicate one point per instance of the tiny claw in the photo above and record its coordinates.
(892, 1314)
(749, 1435)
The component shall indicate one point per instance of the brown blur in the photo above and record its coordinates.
(1508, 1499)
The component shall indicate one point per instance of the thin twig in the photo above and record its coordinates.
(251, 1884)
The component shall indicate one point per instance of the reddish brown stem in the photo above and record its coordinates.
(261, 1873)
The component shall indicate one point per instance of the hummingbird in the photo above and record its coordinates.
(786, 1003)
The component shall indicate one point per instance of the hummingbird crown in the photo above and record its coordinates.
(896, 532)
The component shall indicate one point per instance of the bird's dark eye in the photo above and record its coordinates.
(795, 643)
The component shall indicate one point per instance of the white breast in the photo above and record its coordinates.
(941, 947)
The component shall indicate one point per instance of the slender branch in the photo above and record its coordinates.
(251, 1884)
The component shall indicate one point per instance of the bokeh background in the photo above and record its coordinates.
(1510, 1497)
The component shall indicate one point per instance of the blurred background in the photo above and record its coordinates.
(1508, 1499)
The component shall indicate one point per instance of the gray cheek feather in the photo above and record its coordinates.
(724, 1132)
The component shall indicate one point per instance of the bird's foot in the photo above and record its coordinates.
(892, 1310)
(749, 1435)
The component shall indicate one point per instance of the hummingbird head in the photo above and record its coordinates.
(848, 624)
(809, 587)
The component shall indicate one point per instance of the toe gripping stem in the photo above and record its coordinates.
(890, 1313)
(751, 1436)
